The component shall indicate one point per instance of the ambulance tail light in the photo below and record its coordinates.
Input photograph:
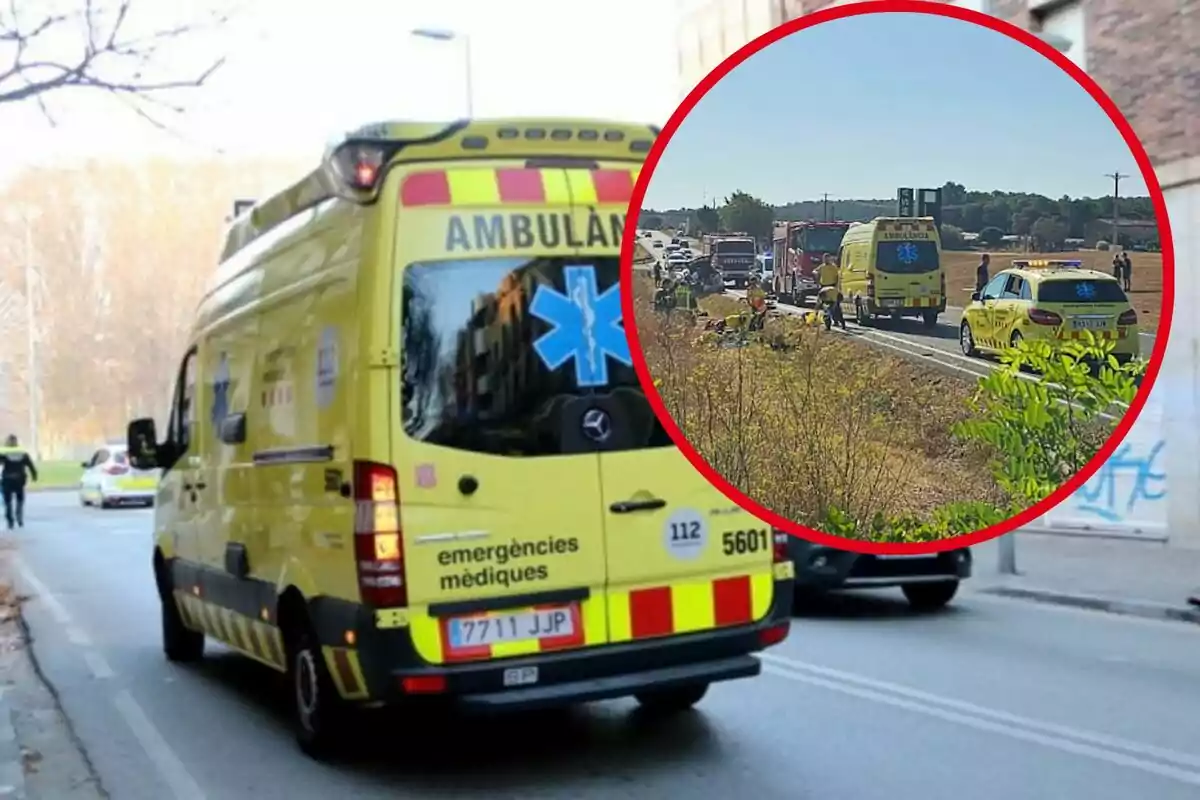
(1039, 317)
(780, 547)
(378, 543)
(1127, 318)
(942, 285)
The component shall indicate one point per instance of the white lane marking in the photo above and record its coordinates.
(1109, 749)
(56, 609)
(98, 665)
(183, 786)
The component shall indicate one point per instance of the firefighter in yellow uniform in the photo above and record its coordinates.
(827, 280)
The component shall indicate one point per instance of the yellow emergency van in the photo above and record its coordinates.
(1052, 300)
(408, 455)
(892, 266)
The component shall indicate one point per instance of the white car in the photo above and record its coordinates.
(109, 480)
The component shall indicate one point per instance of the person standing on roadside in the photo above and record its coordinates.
(14, 464)
(981, 272)
(1127, 271)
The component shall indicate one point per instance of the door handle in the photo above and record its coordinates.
(201, 486)
(629, 506)
(187, 487)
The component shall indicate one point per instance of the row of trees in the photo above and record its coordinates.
(991, 214)
(121, 254)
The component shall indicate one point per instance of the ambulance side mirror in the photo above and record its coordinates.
(142, 442)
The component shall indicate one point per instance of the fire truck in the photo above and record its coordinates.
(732, 255)
(798, 248)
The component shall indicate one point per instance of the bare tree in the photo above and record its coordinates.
(47, 46)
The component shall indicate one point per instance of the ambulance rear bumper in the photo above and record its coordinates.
(387, 659)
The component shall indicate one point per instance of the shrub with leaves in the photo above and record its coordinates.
(1046, 428)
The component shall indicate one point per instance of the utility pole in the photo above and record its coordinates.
(1116, 228)
(825, 207)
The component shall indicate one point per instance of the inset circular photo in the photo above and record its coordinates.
(897, 277)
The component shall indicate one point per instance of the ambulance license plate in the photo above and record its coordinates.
(546, 623)
(1089, 324)
(891, 302)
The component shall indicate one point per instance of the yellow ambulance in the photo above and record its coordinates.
(892, 266)
(1051, 300)
(408, 457)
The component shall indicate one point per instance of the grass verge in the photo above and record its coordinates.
(820, 429)
(58, 475)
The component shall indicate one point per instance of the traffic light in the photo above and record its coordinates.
(929, 204)
(904, 202)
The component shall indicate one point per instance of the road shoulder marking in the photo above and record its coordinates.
(1166, 763)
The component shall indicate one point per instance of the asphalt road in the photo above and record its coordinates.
(993, 699)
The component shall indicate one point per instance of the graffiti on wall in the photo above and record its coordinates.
(1130, 488)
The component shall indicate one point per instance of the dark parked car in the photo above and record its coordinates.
(928, 581)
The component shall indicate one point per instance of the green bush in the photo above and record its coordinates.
(1046, 431)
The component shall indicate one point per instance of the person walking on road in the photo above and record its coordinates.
(14, 464)
(981, 272)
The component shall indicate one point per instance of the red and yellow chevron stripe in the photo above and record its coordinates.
(645, 613)
(486, 186)
(923, 302)
(689, 607)
(1100, 335)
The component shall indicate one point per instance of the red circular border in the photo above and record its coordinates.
(917, 7)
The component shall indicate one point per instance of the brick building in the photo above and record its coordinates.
(1143, 53)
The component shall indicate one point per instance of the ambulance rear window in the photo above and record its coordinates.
(907, 257)
(1081, 291)
(481, 371)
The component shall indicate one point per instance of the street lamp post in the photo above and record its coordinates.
(439, 35)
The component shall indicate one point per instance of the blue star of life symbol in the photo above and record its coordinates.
(586, 326)
(907, 253)
(220, 387)
(1085, 290)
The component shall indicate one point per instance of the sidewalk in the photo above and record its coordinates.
(1140, 578)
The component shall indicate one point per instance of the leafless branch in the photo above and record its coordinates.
(93, 48)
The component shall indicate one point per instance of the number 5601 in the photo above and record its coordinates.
(741, 542)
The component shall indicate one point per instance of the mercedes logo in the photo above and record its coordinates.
(597, 425)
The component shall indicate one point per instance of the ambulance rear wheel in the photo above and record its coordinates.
(672, 701)
(319, 712)
(180, 644)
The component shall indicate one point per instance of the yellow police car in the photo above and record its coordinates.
(1053, 300)
(408, 456)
